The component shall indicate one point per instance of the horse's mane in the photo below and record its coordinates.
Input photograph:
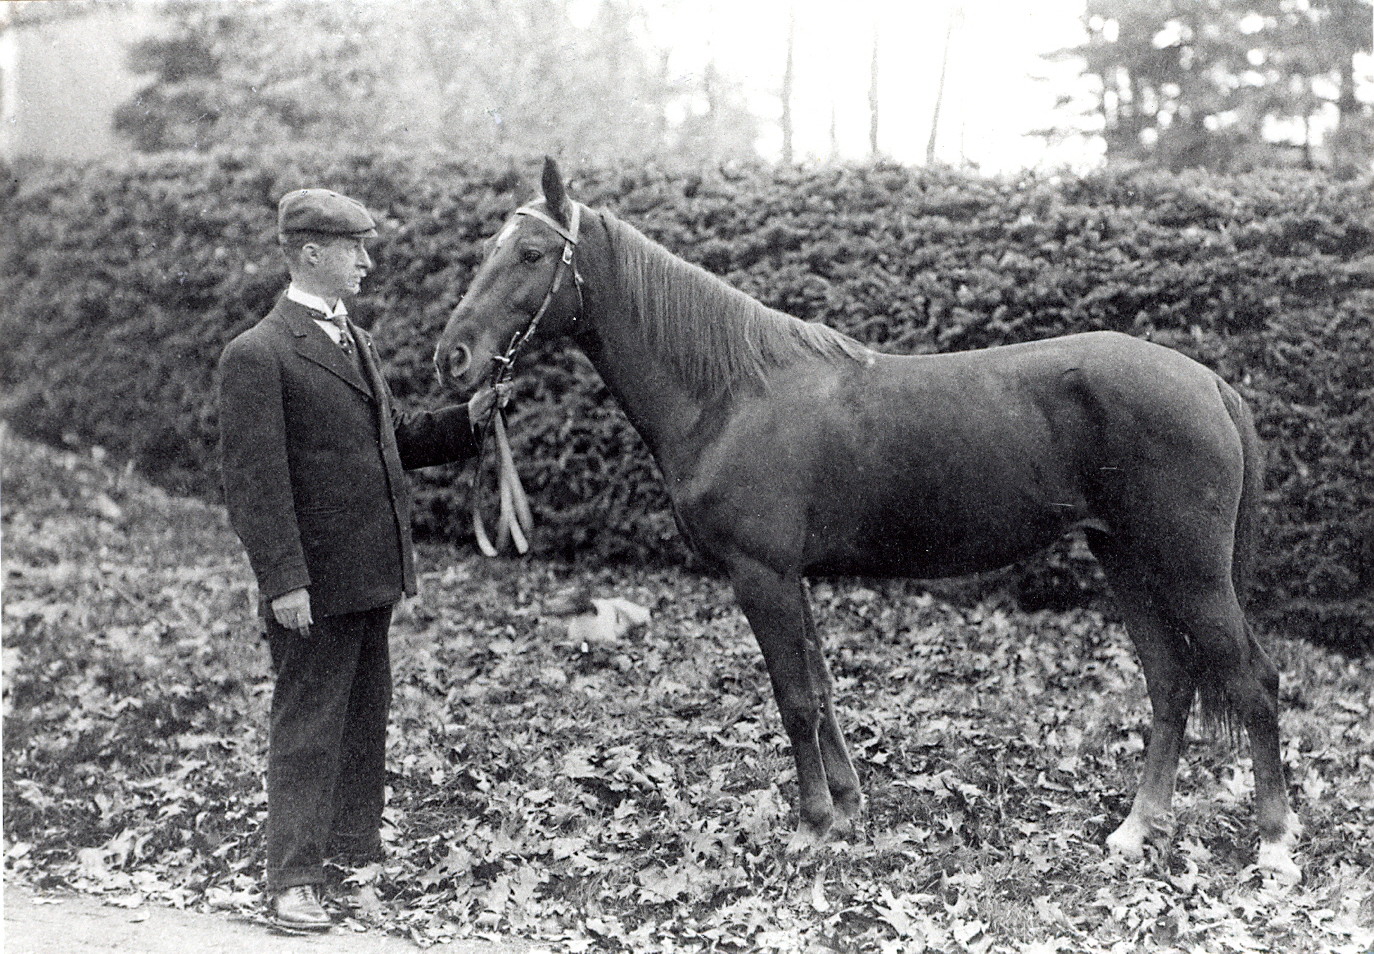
(712, 335)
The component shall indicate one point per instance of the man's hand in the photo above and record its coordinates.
(481, 403)
(292, 610)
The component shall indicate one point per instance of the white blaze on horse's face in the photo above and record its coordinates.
(506, 232)
(506, 292)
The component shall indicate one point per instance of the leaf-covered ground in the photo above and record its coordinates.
(635, 795)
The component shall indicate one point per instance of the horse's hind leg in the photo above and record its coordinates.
(1190, 631)
(1169, 681)
(1248, 683)
(774, 606)
(840, 776)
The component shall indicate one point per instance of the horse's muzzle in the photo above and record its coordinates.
(452, 366)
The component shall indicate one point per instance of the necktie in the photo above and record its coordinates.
(345, 339)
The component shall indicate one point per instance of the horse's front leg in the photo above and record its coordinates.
(839, 768)
(773, 603)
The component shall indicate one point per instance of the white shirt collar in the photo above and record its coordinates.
(315, 302)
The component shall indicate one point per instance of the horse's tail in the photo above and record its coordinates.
(1246, 547)
(1215, 709)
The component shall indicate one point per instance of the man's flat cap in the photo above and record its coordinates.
(319, 210)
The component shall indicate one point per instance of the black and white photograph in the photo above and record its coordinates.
(670, 477)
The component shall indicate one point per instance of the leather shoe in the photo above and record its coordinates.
(298, 909)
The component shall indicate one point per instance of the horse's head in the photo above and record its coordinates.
(527, 282)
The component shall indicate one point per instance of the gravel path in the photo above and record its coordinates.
(79, 924)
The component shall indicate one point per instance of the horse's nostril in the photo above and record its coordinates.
(459, 360)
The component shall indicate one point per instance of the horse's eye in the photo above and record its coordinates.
(531, 255)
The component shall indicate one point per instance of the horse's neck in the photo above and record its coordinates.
(661, 407)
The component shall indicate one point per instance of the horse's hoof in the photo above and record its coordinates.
(804, 840)
(1277, 859)
(1127, 842)
(847, 813)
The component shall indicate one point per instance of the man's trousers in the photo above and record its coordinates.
(326, 751)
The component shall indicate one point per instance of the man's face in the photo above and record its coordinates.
(339, 266)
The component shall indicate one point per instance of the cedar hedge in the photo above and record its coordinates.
(122, 283)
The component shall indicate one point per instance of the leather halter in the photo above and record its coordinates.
(506, 361)
(515, 519)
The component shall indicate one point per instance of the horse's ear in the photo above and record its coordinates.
(554, 194)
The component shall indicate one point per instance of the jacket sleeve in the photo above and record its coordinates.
(427, 438)
(256, 474)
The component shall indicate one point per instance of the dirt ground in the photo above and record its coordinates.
(79, 924)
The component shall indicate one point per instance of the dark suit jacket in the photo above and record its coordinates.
(312, 454)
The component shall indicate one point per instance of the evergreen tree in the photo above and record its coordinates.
(1228, 84)
(475, 77)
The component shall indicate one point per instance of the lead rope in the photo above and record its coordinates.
(515, 519)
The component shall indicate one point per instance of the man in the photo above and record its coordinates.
(313, 452)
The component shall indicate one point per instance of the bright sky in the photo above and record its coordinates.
(998, 86)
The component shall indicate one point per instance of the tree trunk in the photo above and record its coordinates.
(709, 87)
(787, 92)
(954, 14)
(834, 135)
(873, 98)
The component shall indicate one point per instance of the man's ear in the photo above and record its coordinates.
(555, 195)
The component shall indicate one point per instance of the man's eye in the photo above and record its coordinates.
(531, 255)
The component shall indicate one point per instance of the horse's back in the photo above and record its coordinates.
(1099, 391)
(1104, 355)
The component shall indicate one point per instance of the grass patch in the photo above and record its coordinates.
(636, 795)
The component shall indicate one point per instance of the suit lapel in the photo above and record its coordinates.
(372, 366)
(314, 344)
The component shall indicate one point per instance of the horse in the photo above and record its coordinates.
(789, 449)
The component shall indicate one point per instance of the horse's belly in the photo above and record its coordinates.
(950, 541)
